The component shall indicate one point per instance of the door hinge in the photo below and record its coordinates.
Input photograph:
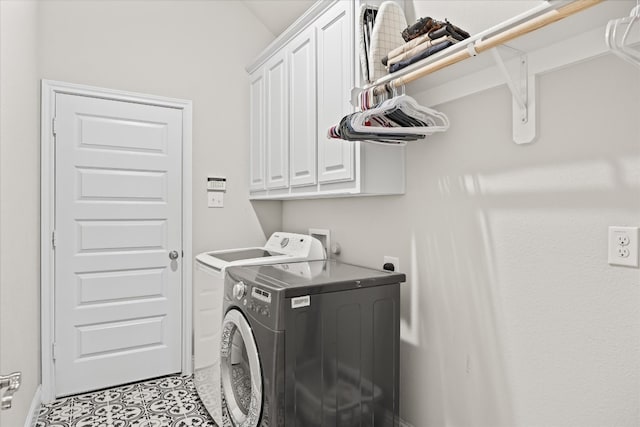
(53, 126)
(53, 239)
(53, 351)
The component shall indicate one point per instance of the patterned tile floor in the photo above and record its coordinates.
(163, 402)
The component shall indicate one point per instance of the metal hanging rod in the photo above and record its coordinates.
(480, 46)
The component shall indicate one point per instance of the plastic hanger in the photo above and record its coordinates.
(435, 121)
(619, 44)
(394, 120)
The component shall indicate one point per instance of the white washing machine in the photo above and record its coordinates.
(208, 298)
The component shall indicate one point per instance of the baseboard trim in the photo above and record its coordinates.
(34, 409)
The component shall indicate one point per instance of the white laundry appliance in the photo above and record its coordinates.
(208, 298)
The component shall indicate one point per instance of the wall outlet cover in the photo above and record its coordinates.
(623, 246)
(215, 199)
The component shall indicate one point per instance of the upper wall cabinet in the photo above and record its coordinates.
(277, 120)
(302, 101)
(299, 87)
(257, 132)
(335, 80)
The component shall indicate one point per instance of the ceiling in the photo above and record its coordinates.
(277, 15)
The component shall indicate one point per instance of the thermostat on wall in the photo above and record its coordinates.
(216, 183)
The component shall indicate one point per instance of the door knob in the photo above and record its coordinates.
(173, 255)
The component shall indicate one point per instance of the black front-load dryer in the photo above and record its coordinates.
(311, 344)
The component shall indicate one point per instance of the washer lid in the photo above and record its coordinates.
(281, 247)
(243, 254)
(219, 260)
(313, 277)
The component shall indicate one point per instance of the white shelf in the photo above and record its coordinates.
(523, 46)
(568, 31)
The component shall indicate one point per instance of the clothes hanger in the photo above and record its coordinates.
(619, 45)
(630, 21)
(345, 131)
(434, 121)
(389, 117)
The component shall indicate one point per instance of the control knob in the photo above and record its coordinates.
(239, 290)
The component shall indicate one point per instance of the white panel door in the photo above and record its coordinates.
(117, 218)
(256, 131)
(335, 81)
(302, 95)
(277, 114)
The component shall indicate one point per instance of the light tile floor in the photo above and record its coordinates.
(163, 402)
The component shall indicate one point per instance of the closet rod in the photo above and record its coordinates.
(493, 41)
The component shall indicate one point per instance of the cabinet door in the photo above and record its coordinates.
(302, 96)
(256, 131)
(335, 81)
(277, 143)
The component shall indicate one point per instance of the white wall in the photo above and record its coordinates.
(511, 315)
(19, 203)
(193, 50)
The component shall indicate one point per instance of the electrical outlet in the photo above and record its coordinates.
(391, 260)
(623, 246)
(215, 199)
(623, 240)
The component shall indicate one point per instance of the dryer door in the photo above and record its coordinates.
(240, 370)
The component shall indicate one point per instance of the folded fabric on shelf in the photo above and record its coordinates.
(425, 54)
(448, 29)
(428, 25)
(435, 30)
(422, 26)
(406, 47)
(419, 49)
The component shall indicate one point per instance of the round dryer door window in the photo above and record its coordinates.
(240, 370)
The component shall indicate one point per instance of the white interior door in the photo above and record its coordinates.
(117, 219)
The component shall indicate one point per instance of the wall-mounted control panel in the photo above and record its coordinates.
(216, 187)
(216, 183)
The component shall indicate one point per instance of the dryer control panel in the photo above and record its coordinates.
(256, 301)
(260, 302)
(261, 294)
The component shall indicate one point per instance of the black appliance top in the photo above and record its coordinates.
(313, 277)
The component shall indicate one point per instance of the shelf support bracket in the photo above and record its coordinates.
(355, 97)
(522, 86)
